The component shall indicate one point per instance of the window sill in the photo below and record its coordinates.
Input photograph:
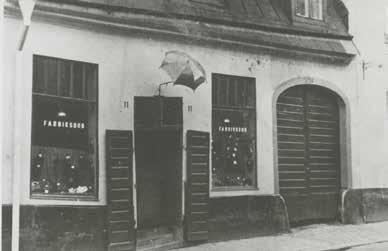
(308, 21)
(236, 188)
(234, 192)
(308, 18)
(64, 197)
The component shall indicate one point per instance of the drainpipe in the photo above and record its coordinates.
(1, 116)
(26, 7)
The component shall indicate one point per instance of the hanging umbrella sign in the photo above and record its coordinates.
(183, 70)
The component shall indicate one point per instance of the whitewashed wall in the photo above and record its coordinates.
(368, 23)
(128, 67)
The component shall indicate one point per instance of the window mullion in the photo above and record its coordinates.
(307, 4)
(71, 85)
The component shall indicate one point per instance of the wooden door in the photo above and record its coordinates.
(158, 170)
(120, 220)
(197, 191)
(308, 153)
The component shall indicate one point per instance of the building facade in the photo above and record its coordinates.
(281, 132)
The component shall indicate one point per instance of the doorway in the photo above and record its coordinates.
(309, 161)
(158, 153)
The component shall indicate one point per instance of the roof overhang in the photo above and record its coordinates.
(332, 49)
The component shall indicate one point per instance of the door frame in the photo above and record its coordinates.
(344, 127)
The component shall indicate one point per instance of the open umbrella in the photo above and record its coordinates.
(183, 69)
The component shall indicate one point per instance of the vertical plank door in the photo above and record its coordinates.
(120, 215)
(308, 153)
(197, 199)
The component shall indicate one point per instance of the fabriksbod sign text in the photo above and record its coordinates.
(63, 125)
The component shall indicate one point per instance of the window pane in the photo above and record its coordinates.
(316, 9)
(234, 132)
(234, 151)
(64, 78)
(301, 8)
(60, 123)
(38, 78)
(64, 140)
(78, 80)
(91, 79)
(51, 75)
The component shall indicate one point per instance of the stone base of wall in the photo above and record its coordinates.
(83, 228)
(247, 216)
(57, 228)
(364, 205)
(7, 227)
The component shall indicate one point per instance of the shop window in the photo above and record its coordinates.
(310, 9)
(233, 132)
(64, 128)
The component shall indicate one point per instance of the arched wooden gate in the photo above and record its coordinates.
(309, 152)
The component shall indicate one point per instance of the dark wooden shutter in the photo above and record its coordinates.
(197, 197)
(119, 154)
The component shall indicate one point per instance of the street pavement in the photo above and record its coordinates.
(371, 247)
(333, 237)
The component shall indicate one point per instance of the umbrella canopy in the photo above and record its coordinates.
(183, 69)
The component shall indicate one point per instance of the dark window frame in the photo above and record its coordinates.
(250, 106)
(39, 94)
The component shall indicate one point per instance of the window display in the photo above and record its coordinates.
(234, 132)
(64, 128)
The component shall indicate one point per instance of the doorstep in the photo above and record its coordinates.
(159, 238)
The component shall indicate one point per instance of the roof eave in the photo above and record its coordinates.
(168, 28)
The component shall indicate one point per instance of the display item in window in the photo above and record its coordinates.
(70, 172)
(38, 164)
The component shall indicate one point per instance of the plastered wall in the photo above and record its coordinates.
(368, 23)
(128, 67)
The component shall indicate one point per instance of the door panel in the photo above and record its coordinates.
(150, 179)
(120, 222)
(158, 161)
(197, 193)
(158, 112)
(308, 152)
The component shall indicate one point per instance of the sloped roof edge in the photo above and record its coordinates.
(194, 32)
(264, 14)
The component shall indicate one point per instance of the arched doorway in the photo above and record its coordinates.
(309, 160)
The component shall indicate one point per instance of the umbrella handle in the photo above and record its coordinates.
(160, 86)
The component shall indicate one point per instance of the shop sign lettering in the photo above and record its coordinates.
(232, 129)
(63, 124)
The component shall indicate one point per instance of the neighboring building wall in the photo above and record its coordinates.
(367, 203)
(367, 23)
